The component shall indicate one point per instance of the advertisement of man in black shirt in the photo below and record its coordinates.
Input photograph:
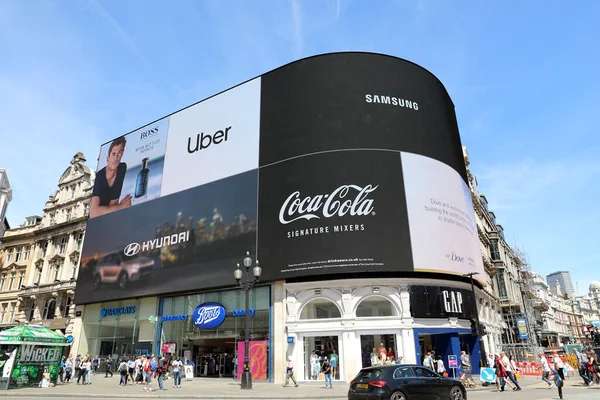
(109, 182)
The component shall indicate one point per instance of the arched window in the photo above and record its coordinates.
(320, 309)
(375, 306)
(49, 309)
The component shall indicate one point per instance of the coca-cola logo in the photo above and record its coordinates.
(346, 199)
(209, 315)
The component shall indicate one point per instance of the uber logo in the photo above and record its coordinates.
(203, 141)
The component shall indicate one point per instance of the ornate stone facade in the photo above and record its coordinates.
(53, 244)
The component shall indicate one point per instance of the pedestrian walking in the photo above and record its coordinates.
(289, 373)
(95, 364)
(123, 371)
(583, 368)
(177, 366)
(545, 368)
(78, 368)
(68, 369)
(501, 374)
(108, 367)
(61, 369)
(131, 370)
(465, 363)
(559, 374)
(160, 372)
(509, 371)
(326, 369)
(148, 374)
(86, 371)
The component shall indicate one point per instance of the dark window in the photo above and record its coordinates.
(501, 285)
(403, 372)
(425, 373)
(495, 252)
(369, 375)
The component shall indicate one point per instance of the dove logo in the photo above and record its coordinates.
(209, 315)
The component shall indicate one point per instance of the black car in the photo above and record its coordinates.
(404, 382)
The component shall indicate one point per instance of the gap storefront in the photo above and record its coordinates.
(208, 329)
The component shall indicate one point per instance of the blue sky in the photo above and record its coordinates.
(523, 77)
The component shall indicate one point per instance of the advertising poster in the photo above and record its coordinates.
(213, 139)
(522, 328)
(168, 347)
(333, 213)
(130, 169)
(185, 241)
(347, 163)
(257, 356)
(442, 223)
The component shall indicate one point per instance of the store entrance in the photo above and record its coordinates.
(215, 358)
(378, 349)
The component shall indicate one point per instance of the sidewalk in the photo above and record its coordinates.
(207, 388)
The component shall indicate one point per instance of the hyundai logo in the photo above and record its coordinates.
(132, 249)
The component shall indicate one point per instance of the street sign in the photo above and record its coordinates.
(453, 361)
(487, 375)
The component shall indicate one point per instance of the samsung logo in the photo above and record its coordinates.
(392, 101)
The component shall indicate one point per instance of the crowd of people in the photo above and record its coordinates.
(140, 370)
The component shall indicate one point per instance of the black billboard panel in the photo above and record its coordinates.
(333, 213)
(185, 241)
(357, 101)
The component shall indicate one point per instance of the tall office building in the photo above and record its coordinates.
(562, 279)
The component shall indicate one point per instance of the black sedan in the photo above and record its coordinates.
(404, 382)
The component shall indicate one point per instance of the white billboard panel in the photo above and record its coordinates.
(443, 231)
(214, 139)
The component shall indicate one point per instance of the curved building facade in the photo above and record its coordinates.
(342, 173)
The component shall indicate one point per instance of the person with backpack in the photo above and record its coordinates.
(147, 367)
(123, 372)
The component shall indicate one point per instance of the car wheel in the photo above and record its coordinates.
(456, 393)
(123, 280)
(397, 396)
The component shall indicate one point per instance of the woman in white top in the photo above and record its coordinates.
(86, 369)
(440, 366)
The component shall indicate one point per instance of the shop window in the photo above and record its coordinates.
(320, 309)
(316, 349)
(375, 306)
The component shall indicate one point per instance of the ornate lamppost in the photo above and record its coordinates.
(247, 284)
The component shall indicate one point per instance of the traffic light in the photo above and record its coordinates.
(482, 330)
(474, 328)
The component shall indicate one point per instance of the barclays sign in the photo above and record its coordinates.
(209, 315)
(108, 312)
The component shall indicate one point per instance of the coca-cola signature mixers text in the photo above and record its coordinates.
(328, 205)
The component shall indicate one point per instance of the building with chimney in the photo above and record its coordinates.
(39, 260)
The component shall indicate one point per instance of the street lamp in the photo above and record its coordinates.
(247, 285)
(481, 346)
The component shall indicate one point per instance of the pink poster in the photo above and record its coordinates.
(258, 359)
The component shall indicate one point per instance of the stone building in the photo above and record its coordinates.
(5, 198)
(43, 254)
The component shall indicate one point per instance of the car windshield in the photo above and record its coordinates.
(369, 374)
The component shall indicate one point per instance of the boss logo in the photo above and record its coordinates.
(149, 133)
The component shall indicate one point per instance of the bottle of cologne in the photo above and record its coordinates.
(141, 185)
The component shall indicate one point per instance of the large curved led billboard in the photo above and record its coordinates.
(340, 163)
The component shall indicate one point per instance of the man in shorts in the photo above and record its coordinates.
(147, 374)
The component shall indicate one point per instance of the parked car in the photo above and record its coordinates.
(121, 269)
(404, 382)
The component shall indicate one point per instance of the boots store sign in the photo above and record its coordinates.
(340, 185)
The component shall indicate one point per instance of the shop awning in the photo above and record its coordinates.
(32, 335)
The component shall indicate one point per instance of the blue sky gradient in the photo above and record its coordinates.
(523, 77)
